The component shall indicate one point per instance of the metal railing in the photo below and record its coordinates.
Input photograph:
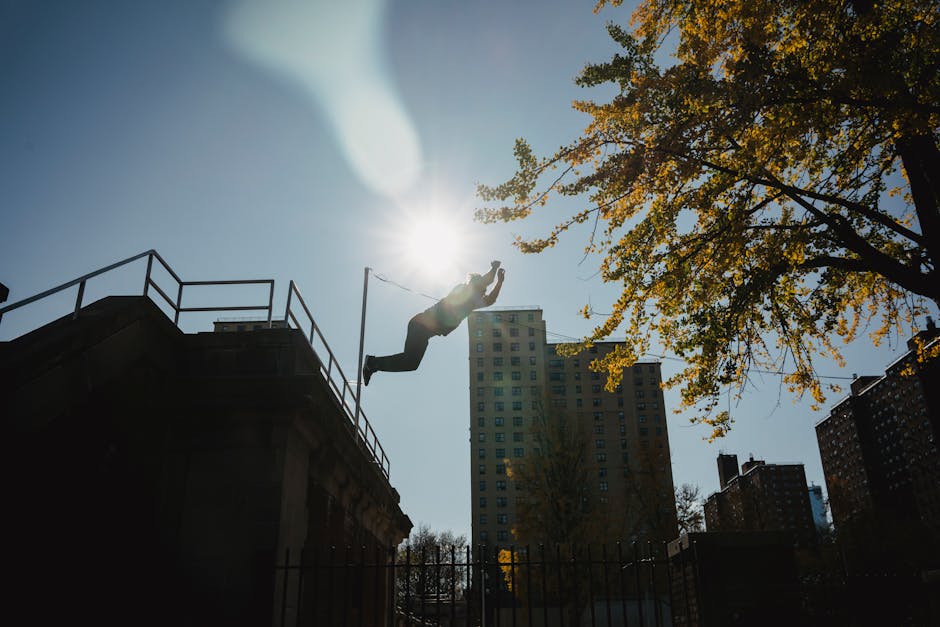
(329, 367)
(176, 305)
(331, 371)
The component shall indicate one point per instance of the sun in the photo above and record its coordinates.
(432, 245)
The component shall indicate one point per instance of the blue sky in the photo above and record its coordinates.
(239, 144)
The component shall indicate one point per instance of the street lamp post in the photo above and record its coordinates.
(362, 335)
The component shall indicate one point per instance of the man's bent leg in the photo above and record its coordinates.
(416, 343)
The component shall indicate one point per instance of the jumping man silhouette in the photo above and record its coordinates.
(440, 319)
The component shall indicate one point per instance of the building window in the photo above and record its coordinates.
(596, 388)
(501, 501)
(497, 362)
(603, 486)
(599, 429)
(502, 536)
(518, 452)
(500, 453)
(502, 519)
(596, 402)
(482, 501)
(480, 376)
(531, 346)
(483, 520)
(481, 469)
(481, 437)
(497, 391)
(602, 472)
(535, 404)
(558, 390)
(500, 437)
(578, 402)
(497, 347)
(514, 332)
(532, 375)
(481, 453)
(497, 317)
(497, 376)
(500, 469)
(501, 484)
(601, 457)
(482, 486)
(531, 332)
(623, 444)
(517, 436)
(517, 421)
(498, 421)
(479, 333)
(598, 415)
(514, 347)
(623, 429)
(479, 362)
(497, 333)
(532, 360)
(484, 536)
(513, 317)
(481, 421)
(599, 444)
(534, 390)
(515, 361)
(516, 375)
(530, 317)
(517, 390)
(481, 391)
(479, 347)
(481, 405)
(641, 418)
(500, 405)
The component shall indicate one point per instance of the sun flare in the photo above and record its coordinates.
(433, 246)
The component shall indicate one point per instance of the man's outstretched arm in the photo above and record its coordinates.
(490, 298)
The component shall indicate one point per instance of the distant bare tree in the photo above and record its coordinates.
(431, 564)
(689, 509)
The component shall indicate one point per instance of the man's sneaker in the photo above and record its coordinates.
(368, 370)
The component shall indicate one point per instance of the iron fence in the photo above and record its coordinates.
(486, 587)
(625, 584)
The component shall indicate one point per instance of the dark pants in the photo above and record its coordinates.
(416, 342)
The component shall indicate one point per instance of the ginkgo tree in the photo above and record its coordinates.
(770, 189)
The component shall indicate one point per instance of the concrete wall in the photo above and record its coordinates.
(153, 476)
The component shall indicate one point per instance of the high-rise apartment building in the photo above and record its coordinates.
(516, 377)
(879, 450)
(763, 497)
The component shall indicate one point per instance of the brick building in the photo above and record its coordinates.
(879, 450)
(516, 377)
(763, 497)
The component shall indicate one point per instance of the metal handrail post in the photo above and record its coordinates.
(362, 335)
(179, 304)
(147, 277)
(78, 299)
(290, 292)
(270, 303)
